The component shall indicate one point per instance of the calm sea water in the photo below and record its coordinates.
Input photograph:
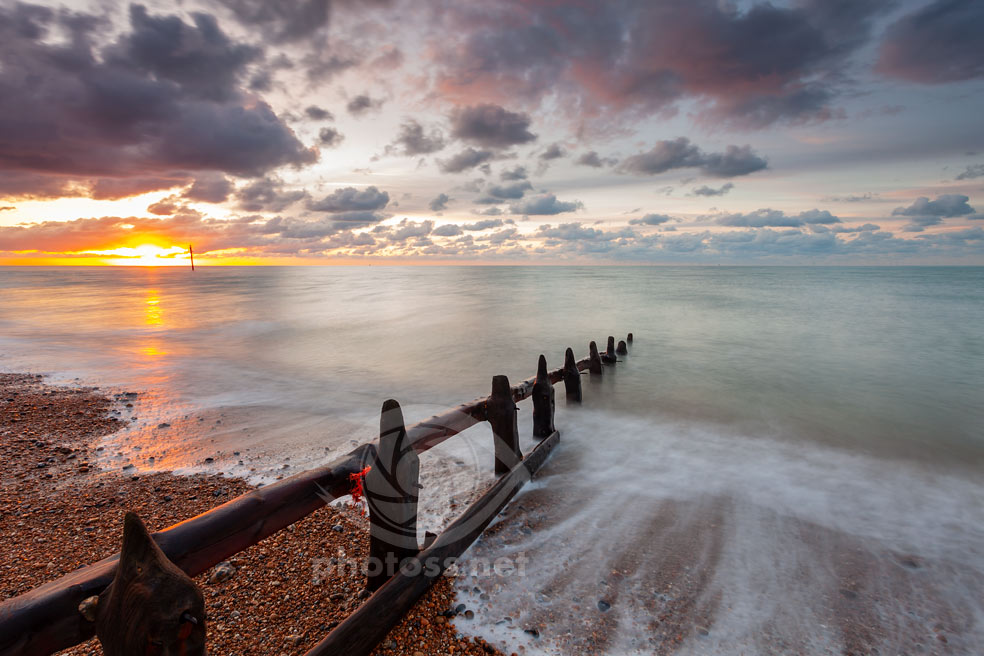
(849, 398)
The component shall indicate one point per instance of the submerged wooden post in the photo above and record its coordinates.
(544, 401)
(572, 377)
(391, 490)
(608, 357)
(622, 348)
(629, 338)
(501, 411)
(594, 364)
(151, 606)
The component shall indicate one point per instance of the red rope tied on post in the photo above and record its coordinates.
(358, 492)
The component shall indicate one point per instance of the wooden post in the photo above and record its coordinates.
(191, 254)
(366, 627)
(622, 348)
(391, 492)
(501, 411)
(629, 338)
(544, 402)
(608, 357)
(572, 378)
(151, 604)
(594, 365)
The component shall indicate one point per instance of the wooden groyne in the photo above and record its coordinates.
(67, 611)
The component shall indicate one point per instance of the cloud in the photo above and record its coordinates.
(775, 218)
(163, 98)
(447, 230)
(6, 208)
(651, 219)
(440, 203)
(413, 140)
(316, 113)
(518, 173)
(491, 126)
(351, 199)
(680, 153)
(971, 172)
(744, 64)
(937, 43)
(267, 195)
(553, 151)
(363, 104)
(499, 193)
(330, 137)
(710, 191)
(467, 159)
(592, 159)
(286, 21)
(209, 188)
(545, 204)
(946, 205)
(851, 198)
(478, 226)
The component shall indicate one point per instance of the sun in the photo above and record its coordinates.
(145, 255)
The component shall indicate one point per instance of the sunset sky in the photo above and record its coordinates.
(492, 131)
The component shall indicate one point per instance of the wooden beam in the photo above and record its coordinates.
(361, 631)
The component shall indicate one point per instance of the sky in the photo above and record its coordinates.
(492, 132)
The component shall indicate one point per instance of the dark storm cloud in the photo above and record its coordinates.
(467, 159)
(284, 20)
(711, 191)
(946, 205)
(775, 218)
(200, 58)
(209, 188)
(330, 137)
(680, 153)
(351, 199)
(592, 159)
(163, 98)
(544, 205)
(651, 219)
(267, 195)
(491, 126)
(414, 140)
(747, 65)
(363, 104)
(439, 203)
(316, 113)
(938, 43)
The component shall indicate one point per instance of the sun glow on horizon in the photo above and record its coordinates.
(144, 255)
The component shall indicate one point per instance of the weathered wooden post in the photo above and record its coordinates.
(622, 348)
(151, 607)
(594, 364)
(391, 487)
(544, 401)
(629, 338)
(501, 411)
(572, 377)
(608, 357)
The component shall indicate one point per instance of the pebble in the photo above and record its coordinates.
(603, 605)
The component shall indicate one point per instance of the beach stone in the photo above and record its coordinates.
(221, 572)
(603, 605)
(163, 425)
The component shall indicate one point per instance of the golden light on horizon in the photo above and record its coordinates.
(145, 255)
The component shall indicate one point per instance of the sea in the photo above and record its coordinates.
(788, 460)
